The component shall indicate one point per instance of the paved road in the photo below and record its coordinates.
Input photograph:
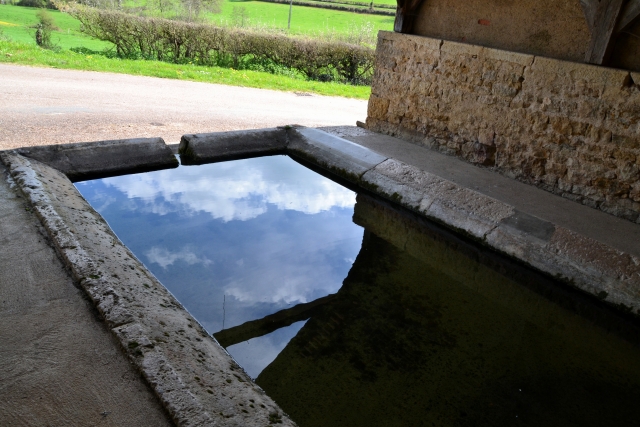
(50, 106)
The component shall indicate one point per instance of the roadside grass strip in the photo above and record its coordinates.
(28, 54)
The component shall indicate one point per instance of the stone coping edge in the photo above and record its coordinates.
(596, 268)
(90, 160)
(197, 149)
(196, 380)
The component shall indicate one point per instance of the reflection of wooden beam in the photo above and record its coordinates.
(629, 13)
(270, 323)
(603, 17)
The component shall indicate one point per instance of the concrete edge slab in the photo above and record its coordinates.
(197, 149)
(336, 155)
(196, 380)
(89, 160)
(607, 273)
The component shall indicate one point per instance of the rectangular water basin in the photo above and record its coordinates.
(349, 311)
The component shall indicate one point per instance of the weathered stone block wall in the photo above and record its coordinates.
(570, 128)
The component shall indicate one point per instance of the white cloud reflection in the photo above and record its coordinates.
(240, 195)
(272, 259)
(305, 267)
(164, 257)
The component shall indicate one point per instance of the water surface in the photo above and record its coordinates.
(366, 315)
(236, 241)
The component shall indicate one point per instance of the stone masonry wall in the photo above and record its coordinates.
(570, 128)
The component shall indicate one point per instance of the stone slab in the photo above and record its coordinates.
(430, 43)
(195, 379)
(465, 210)
(529, 224)
(593, 73)
(400, 182)
(91, 160)
(219, 146)
(343, 158)
(455, 48)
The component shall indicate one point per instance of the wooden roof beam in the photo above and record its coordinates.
(629, 14)
(406, 13)
(606, 19)
(602, 17)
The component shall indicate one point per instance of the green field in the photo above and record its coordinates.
(17, 45)
(304, 20)
(15, 22)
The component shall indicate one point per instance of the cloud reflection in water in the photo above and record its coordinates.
(265, 233)
(234, 190)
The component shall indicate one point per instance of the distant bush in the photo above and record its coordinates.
(44, 28)
(37, 3)
(203, 44)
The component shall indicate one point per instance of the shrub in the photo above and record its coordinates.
(37, 3)
(182, 42)
(43, 28)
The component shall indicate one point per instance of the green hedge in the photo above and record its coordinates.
(205, 44)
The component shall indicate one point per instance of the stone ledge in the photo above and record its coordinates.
(219, 146)
(429, 43)
(91, 160)
(455, 48)
(602, 75)
(343, 158)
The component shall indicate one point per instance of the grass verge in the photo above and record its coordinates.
(28, 54)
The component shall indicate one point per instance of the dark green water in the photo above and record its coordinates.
(428, 330)
(423, 328)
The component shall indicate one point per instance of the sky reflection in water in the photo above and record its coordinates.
(263, 234)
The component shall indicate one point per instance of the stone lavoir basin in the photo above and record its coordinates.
(255, 291)
(236, 241)
(350, 312)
